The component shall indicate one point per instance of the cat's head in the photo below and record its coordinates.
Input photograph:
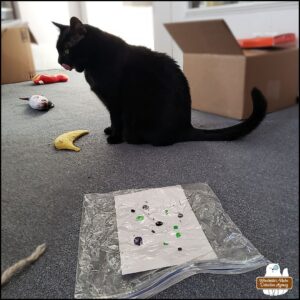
(70, 45)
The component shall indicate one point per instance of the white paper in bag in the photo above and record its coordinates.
(157, 228)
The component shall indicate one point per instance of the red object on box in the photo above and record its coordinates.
(282, 40)
(42, 78)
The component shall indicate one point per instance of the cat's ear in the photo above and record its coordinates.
(61, 27)
(77, 27)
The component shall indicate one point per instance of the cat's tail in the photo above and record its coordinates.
(238, 130)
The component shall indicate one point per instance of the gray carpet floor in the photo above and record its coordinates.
(256, 180)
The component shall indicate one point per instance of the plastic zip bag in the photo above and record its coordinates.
(99, 269)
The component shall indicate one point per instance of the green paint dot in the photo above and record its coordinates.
(166, 211)
(140, 218)
(175, 227)
(166, 244)
(178, 234)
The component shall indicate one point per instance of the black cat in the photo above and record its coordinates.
(145, 92)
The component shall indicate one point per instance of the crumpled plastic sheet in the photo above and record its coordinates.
(99, 268)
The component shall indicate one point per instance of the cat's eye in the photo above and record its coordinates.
(67, 51)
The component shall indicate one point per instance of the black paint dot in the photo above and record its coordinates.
(179, 249)
(153, 231)
(145, 206)
(159, 223)
(138, 241)
(132, 210)
(180, 215)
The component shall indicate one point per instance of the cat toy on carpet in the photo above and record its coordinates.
(21, 264)
(39, 102)
(45, 78)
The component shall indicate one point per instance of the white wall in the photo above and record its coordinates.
(133, 23)
(162, 13)
(39, 15)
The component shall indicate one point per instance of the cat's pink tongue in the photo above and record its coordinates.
(67, 67)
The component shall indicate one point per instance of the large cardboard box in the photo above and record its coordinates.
(16, 56)
(221, 75)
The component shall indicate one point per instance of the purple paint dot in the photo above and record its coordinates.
(138, 241)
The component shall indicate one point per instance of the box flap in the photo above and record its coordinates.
(17, 24)
(212, 36)
(32, 37)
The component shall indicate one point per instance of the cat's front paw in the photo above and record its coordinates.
(114, 139)
(108, 130)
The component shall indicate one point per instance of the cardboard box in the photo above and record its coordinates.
(221, 75)
(16, 55)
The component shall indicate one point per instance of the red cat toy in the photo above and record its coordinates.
(43, 78)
